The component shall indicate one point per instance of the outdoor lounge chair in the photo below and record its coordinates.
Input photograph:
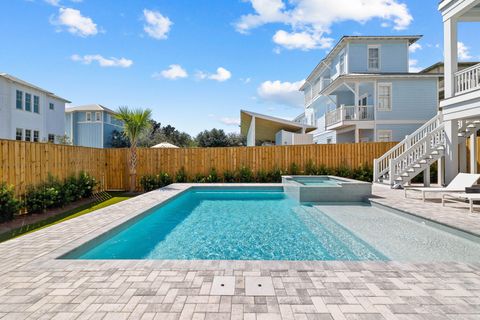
(458, 184)
(461, 198)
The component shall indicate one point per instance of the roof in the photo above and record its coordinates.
(27, 84)
(440, 64)
(164, 145)
(90, 107)
(269, 125)
(411, 40)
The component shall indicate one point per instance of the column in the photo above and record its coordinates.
(251, 134)
(451, 56)
(441, 171)
(473, 152)
(357, 135)
(462, 155)
(451, 152)
(426, 177)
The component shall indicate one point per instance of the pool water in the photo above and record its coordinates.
(317, 181)
(231, 225)
(265, 224)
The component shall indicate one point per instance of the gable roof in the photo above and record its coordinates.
(90, 107)
(340, 44)
(28, 84)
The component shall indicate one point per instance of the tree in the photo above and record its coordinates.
(236, 140)
(119, 140)
(212, 138)
(136, 122)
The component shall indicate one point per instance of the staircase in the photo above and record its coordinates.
(413, 155)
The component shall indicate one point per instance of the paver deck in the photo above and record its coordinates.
(36, 285)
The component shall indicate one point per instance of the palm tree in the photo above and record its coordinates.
(135, 123)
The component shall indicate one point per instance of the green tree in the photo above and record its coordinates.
(136, 122)
(119, 140)
(212, 138)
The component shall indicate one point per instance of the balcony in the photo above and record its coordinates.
(347, 115)
(467, 80)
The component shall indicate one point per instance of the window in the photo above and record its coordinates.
(19, 100)
(329, 140)
(342, 63)
(51, 106)
(28, 102)
(36, 104)
(384, 97)
(51, 138)
(98, 116)
(373, 57)
(384, 136)
(19, 134)
(28, 135)
(36, 136)
(88, 116)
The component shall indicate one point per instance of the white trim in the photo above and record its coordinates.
(87, 116)
(374, 46)
(400, 121)
(385, 84)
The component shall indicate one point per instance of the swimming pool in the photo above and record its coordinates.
(265, 224)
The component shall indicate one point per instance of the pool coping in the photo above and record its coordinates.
(51, 259)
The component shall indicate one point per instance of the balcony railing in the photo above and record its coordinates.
(349, 113)
(467, 80)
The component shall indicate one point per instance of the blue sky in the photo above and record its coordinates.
(197, 63)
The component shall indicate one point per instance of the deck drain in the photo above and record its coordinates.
(223, 286)
(259, 286)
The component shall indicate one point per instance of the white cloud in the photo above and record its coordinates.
(157, 26)
(311, 20)
(414, 47)
(413, 66)
(174, 71)
(301, 40)
(103, 62)
(284, 93)
(246, 80)
(55, 3)
(221, 75)
(74, 22)
(230, 121)
(463, 52)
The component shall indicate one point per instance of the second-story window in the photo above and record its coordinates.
(98, 116)
(51, 138)
(51, 106)
(19, 104)
(28, 102)
(384, 97)
(88, 116)
(342, 63)
(36, 104)
(373, 57)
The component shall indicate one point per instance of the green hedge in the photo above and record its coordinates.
(246, 175)
(9, 205)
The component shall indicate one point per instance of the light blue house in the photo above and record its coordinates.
(362, 91)
(91, 125)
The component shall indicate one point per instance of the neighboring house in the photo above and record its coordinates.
(443, 139)
(362, 91)
(91, 125)
(30, 113)
(261, 129)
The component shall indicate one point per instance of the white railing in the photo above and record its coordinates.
(381, 166)
(468, 79)
(419, 151)
(349, 113)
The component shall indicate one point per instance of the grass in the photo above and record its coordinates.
(106, 200)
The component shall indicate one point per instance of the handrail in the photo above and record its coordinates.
(381, 165)
(475, 66)
(468, 79)
(349, 113)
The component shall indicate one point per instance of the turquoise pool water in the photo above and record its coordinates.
(317, 181)
(219, 224)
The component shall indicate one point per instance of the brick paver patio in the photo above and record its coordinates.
(36, 285)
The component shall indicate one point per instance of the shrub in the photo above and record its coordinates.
(245, 175)
(363, 173)
(324, 171)
(86, 185)
(199, 178)
(164, 179)
(294, 169)
(310, 168)
(228, 176)
(275, 175)
(181, 176)
(152, 182)
(9, 205)
(212, 177)
(344, 172)
(262, 176)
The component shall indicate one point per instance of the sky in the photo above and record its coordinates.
(197, 63)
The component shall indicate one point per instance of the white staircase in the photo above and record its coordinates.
(412, 156)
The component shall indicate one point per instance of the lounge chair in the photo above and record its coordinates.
(461, 198)
(458, 184)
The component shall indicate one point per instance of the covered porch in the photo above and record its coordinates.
(263, 129)
(354, 101)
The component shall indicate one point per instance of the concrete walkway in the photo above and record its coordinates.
(34, 284)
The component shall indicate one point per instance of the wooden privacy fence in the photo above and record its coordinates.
(27, 163)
